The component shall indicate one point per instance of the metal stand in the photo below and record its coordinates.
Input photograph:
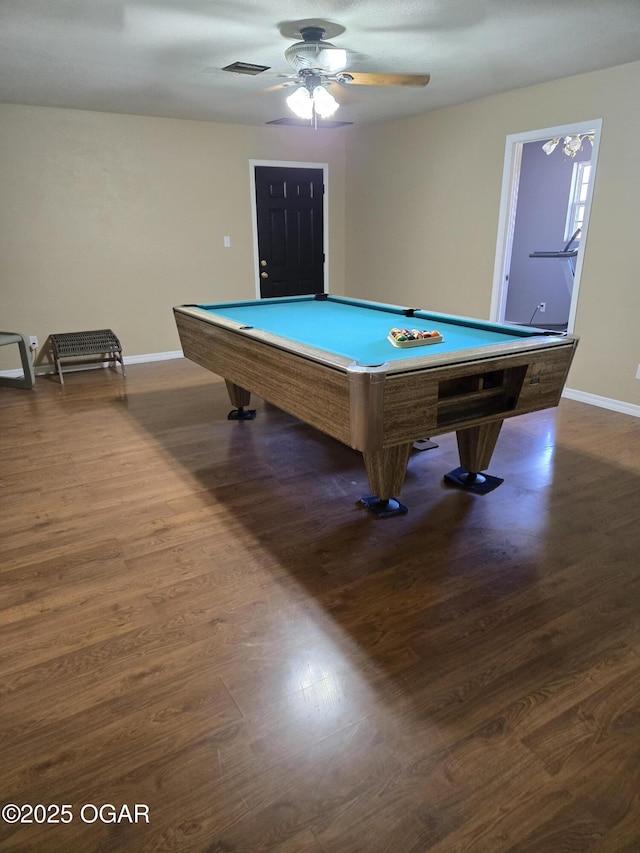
(383, 508)
(472, 481)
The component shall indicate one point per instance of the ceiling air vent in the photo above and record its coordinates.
(246, 68)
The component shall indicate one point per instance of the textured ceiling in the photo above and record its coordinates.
(164, 57)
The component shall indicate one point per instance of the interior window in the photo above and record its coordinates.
(577, 197)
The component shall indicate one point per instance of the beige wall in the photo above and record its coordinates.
(423, 198)
(110, 220)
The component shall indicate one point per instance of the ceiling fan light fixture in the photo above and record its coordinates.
(332, 60)
(300, 103)
(324, 102)
(320, 54)
(307, 101)
(313, 52)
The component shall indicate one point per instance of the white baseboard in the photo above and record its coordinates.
(153, 356)
(128, 359)
(602, 402)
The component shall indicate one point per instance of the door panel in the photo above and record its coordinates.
(290, 225)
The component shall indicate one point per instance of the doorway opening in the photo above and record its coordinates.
(289, 210)
(543, 225)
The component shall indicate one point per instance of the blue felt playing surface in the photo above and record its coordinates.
(359, 332)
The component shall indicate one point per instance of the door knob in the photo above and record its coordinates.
(263, 263)
(264, 275)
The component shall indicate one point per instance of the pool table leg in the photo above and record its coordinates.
(475, 447)
(240, 398)
(386, 469)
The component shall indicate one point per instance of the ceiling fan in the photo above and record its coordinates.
(318, 63)
(329, 62)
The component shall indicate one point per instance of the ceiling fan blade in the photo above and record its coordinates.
(364, 79)
(277, 87)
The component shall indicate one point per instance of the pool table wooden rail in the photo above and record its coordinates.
(313, 393)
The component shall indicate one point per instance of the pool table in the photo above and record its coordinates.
(328, 361)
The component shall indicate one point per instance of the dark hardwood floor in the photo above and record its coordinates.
(196, 615)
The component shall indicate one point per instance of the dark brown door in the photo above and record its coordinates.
(289, 207)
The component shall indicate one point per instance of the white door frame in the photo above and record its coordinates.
(508, 203)
(290, 164)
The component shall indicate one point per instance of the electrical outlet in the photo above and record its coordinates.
(542, 307)
(33, 342)
(638, 372)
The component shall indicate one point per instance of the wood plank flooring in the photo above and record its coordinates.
(196, 615)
